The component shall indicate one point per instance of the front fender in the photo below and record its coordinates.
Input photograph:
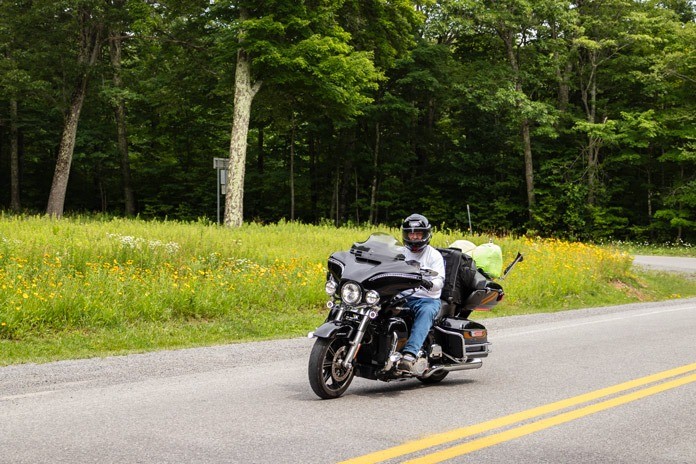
(332, 328)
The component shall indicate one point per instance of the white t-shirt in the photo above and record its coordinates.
(429, 258)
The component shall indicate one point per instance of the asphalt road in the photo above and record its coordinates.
(666, 263)
(251, 403)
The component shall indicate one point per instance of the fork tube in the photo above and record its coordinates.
(355, 343)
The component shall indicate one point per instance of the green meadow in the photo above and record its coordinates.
(88, 286)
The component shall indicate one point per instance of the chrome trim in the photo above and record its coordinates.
(338, 263)
(355, 343)
(471, 364)
(395, 274)
(456, 334)
(362, 309)
(466, 347)
(390, 362)
(453, 359)
(480, 345)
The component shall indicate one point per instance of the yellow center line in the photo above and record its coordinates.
(549, 422)
(458, 434)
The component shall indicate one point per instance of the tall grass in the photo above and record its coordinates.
(86, 276)
(80, 275)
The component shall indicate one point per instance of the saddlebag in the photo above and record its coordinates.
(462, 337)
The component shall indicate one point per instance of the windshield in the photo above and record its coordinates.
(378, 263)
(378, 247)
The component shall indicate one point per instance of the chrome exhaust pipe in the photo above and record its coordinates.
(471, 364)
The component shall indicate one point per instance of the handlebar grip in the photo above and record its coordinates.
(427, 284)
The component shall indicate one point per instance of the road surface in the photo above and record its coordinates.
(625, 377)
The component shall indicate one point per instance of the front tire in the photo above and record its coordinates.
(327, 376)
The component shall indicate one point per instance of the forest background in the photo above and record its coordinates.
(573, 119)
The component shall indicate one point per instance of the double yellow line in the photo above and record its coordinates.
(526, 429)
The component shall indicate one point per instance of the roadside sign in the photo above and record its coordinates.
(220, 166)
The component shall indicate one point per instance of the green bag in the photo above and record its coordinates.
(489, 258)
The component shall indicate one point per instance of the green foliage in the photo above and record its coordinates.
(421, 101)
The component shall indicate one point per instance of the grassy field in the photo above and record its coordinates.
(86, 286)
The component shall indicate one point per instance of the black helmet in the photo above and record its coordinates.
(416, 223)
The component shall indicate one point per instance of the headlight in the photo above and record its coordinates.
(330, 287)
(350, 293)
(372, 297)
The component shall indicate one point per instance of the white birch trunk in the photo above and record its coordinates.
(244, 93)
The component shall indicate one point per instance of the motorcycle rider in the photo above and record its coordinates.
(424, 304)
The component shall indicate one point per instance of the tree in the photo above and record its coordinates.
(15, 82)
(116, 34)
(519, 27)
(87, 23)
(280, 44)
(244, 91)
(388, 30)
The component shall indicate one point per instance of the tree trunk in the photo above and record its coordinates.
(292, 170)
(59, 187)
(562, 74)
(509, 40)
(589, 100)
(357, 196)
(593, 142)
(260, 161)
(593, 146)
(373, 192)
(650, 195)
(679, 205)
(314, 197)
(122, 137)
(334, 198)
(528, 167)
(244, 93)
(15, 204)
(91, 32)
(563, 87)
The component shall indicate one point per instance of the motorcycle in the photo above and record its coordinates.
(364, 330)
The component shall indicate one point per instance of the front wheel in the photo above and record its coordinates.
(327, 376)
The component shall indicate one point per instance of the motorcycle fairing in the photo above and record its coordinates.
(378, 264)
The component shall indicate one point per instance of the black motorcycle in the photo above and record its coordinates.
(364, 333)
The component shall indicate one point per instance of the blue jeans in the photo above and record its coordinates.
(423, 311)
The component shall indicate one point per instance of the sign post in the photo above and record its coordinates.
(220, 165)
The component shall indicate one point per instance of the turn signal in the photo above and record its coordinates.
(475, 334)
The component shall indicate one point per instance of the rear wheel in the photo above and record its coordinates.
(327, 375)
